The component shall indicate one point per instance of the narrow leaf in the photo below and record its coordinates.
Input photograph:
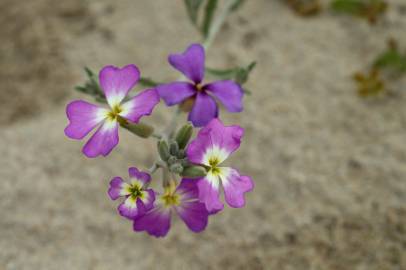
(147, 82)
(208, 16)
(192, 8)
(238, 4)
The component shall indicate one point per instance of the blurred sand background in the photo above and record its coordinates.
(329, 167)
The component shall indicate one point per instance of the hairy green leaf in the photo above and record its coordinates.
(147, 82)
(210, 9)
(192, 8)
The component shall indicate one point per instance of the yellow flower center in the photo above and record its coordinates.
(213, 162)
(114, 113)
(169, 197)
(199, 87)
(135, 191)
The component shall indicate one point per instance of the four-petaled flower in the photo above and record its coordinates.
(182, 200)
(191, 64)
(213, 144)
(84, 116)
(138, 199)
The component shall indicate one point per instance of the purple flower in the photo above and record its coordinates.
(191, 64)
(214, 143)
(138, 200)
(84, 117)
(182, 200)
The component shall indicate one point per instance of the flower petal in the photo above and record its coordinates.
(209, 192)
(140, 105)
(103, 140)
(204, 110)
(118, 188)
(176, 92)
(117, 82)
(194, 214)
(83, 117)
(190, 62)
(187, 189)
(136, 176)
(190, 210)
(156, 222)
(214, 141)
(235, 185)
(228, 92)
(148, 199)
(129, 208)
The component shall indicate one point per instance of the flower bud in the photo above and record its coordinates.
(171, 160)
(194, 172)
(176, 168)
(173, 148)
(181, 154)
(140, 129)
(163, 150)
(183, 135)
(184, 162)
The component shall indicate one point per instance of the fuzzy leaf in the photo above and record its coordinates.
(192, 7)
(210, 9)
(238, 74)
(147, 82)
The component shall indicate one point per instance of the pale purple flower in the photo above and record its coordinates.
(138, 199)
(191, 64)
(84, 116)
(182, 200)
(212, 146)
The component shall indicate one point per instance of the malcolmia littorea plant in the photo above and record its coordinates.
(193, 172)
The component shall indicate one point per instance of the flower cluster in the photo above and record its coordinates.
(193, 175)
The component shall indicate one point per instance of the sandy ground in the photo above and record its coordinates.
(329, 167)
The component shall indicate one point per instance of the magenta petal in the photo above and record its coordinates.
(117, 82)
(140, 105)
(194, 214)
(204, 110)
(143, 177)
(115, 189)
(83, 117)
(148, 199)
(190, 62)
(131, 208)
(188, 189)
(214, 135)
(235, 186)
(228, 92)
(176, 92)
(209, 194)
(156, 222)
(103, 140)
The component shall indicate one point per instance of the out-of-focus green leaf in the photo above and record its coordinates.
(391, 59)
(239, 74)
(237, 5)
(147, 82)
(368, 9)
(91, 87)
(347, 6)
(192, 7)
(210, 9)
(242, 74)
(222, 73)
